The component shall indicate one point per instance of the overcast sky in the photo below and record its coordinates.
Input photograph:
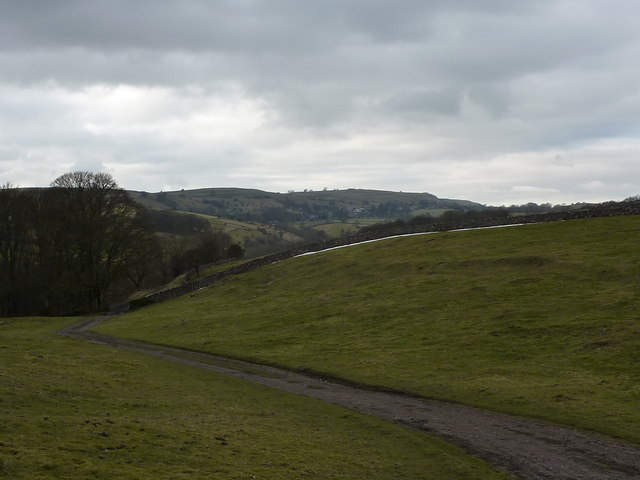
(496, 101)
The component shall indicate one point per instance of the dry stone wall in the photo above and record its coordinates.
(604, 210)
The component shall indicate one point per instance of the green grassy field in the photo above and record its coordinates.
(241, 231)
(540, 320)
(76, 410)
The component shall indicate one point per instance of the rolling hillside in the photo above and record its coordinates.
(265, 222)
(257, 205)
(539, 320)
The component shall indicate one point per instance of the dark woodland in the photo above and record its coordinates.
(84, 243)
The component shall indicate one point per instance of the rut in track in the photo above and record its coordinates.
(523, 448)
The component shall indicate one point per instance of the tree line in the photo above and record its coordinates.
(448, 217)
(83, 242)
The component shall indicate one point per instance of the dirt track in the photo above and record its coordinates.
(523, 448)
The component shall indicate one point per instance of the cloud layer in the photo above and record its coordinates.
(498, 102)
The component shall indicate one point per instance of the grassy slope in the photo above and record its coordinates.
(241, 231)
(336, 229)
(71, 409)
(540, 320)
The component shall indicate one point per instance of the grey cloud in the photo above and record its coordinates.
(561, 161)
(199, 24)
(443, 101)
(456, 80)
(365, 45)
(495, 99)
(89, 165)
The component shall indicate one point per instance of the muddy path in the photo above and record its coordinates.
(524, 448)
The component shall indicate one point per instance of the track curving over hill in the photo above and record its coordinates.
(524, 448)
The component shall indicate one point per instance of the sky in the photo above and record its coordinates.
(496, 101)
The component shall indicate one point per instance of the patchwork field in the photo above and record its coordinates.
(540, 320)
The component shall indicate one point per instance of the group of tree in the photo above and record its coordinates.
(187, 242)
(533, 208)
(76, 246)
(177, 223)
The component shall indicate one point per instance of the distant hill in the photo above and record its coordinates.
(307, 206)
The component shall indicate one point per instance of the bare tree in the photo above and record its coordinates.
(103, 229)
(16, 249)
